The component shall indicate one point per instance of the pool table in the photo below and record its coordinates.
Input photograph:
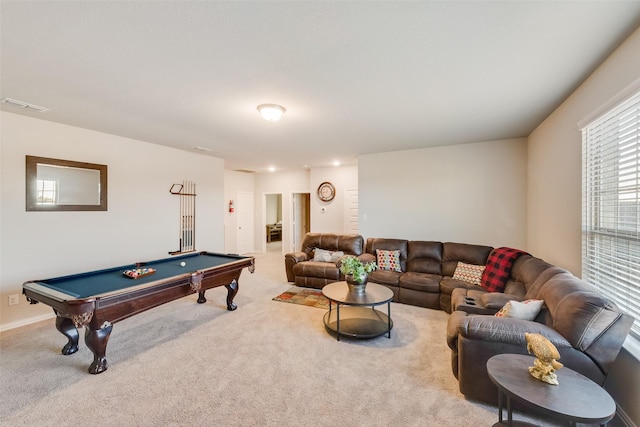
(100, 298)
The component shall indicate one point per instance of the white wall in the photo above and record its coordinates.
(332, 219)
(555, 160)
(38, 245)
(469, 193)
(554, 190)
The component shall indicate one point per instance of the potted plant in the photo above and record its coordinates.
(356, 272)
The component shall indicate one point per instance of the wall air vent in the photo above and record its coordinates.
(244, 170)
(23, 105)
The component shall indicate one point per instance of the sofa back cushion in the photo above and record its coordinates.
(533, 289)
(558, 287)
(350, 244)
(582, 316)
(524, 272)
(470, 254)
(424, 257)
(400, 245)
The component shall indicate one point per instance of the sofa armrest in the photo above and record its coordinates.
(497, 300)
(292, 259)
(367, 258)
(507, 330)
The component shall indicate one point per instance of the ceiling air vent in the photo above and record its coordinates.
(23, 105)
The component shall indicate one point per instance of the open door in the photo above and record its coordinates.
(301, 219)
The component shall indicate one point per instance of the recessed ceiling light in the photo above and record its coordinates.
(202, 148)
(272, 168)
(24, 105)
(271, 112)
(336, 163)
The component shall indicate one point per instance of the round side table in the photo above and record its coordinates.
(575, 399)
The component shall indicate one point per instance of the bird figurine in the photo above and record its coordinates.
(545, 365)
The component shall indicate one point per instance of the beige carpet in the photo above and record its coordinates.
(265, 364)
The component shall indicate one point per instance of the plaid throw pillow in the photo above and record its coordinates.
(498, 269)
(388, 260)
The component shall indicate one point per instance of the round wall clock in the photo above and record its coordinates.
(326, 191)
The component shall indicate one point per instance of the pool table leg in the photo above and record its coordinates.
(232, 290)
(66, 327)
(97, 340)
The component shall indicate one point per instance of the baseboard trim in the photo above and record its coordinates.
(628, 422)
(26, 322)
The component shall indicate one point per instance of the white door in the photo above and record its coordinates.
(244, 209)
(351, 211)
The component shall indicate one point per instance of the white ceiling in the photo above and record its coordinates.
(355, 77)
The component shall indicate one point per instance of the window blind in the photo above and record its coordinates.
(611, 206)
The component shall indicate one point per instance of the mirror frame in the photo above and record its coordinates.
(32, 192)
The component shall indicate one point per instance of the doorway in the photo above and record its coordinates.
(300, 218)
(273, 222)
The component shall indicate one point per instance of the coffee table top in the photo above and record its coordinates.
(576, 398)
(374, 294)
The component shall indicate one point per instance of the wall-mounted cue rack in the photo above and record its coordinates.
(187, 236)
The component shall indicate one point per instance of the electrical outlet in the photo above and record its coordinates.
(13, 299)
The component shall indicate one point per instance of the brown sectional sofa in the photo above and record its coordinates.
(587, 329)
(304, 271)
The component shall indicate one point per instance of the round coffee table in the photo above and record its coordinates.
(575, 399)
(355, 315)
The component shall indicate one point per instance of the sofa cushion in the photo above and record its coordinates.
(559, 286)
(324, 270)
(326, 256)
(352, 244)
(448, 284)
(495, 300)
(534, 288)
(454, 252)
(468, 273)
(516, 289)
(421, 282)
(388, 260)
(583, 316)
(506, 330)
(525, 310)
(373, 244)
(424, 257)
(385, 277)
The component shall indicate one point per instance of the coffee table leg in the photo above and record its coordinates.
(499, 406)
(509, 414)
(389, 319)
(338, 320)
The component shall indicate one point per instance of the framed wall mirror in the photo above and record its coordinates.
(65, 185)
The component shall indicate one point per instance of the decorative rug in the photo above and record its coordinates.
(304, 296)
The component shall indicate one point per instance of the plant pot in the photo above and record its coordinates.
(354, 286)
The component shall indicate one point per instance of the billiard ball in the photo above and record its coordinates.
(182, 264)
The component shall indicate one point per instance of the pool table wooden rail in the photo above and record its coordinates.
(98, 312)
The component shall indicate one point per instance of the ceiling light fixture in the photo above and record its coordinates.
(24, 105)
(202, 148)
(271, 112)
